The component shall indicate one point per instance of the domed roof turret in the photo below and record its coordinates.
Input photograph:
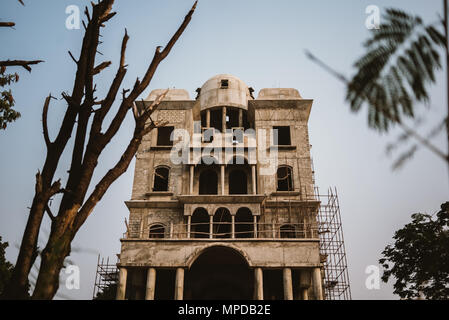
(224, 90)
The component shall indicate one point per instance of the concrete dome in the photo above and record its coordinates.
(224, 90)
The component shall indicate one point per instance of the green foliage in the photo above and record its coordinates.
(400, 61)
(5, 266)
(419, 258)
(7, 113)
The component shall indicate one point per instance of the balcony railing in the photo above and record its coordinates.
(228, 230)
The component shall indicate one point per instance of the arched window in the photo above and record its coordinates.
(284, 178)
(238, 183)
(200, 224)
(288, 231)
(157, 231)
(208, 182)
(244, 224)
(222, 223)
(161, 175)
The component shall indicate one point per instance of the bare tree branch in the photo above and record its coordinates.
(22, 63)
(7, 24)
(44, 120)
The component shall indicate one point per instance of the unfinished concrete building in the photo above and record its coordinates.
(225, 225)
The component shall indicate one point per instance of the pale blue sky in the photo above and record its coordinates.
(261, 42)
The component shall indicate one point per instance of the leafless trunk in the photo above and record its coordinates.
(90, 141)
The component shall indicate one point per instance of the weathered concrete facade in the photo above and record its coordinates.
(242, 227)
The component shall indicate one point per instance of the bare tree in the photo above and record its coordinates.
(7, 112)
(91, 138)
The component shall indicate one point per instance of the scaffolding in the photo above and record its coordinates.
(106, 275)
(332, 248)
(329, 230)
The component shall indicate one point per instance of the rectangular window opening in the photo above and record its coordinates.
(283, 135)
(163, 136)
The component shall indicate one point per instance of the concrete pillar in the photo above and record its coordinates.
(151, 284)
(288, 288)
(232, 226)
(255, 226)
(179, 284)
(258, 284)
(305, 293)
(253, 176)
(317, 285)
(171, 229)
(223, 122)
(273, 229)
(304, 284)
(211, 227)
(208, 118)
(189, 225)
(240, 118)
(192, 172)
(121, 288)
(222, 176)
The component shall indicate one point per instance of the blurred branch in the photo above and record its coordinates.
(409, 131)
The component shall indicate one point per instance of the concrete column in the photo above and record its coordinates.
(240, 118)
(253, 176)
(258, 284)
(273, 229)
(151, 284)
(223, 122)
(211, 227)
(189, 225)
(232, 226)
(317, 285)
(192, 172)
(222, 176)
(305, 293)
(304, 284)
(121, 288)
(288, 288)
(171, 229)
(179, 284)
(255, 226)
(208, 118)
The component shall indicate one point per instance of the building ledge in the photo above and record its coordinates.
(233, 198)
(152, 204)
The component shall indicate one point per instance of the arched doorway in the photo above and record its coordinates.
(219, 273)
(244, 224)
(200, 224)
(222, 223)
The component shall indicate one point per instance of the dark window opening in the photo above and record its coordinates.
(232, 118)
(224, 84)
(288, 231)
(165, 282)
(283, 136)
(222, 224)
(238, 182)
(161, 179)
(273, 285)
(204, 119)
(135, 284)
(244, 224)
(216, 119)
(157, 231)
(208, 182)
(284, 179)
(163, 136)
(200, 224)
